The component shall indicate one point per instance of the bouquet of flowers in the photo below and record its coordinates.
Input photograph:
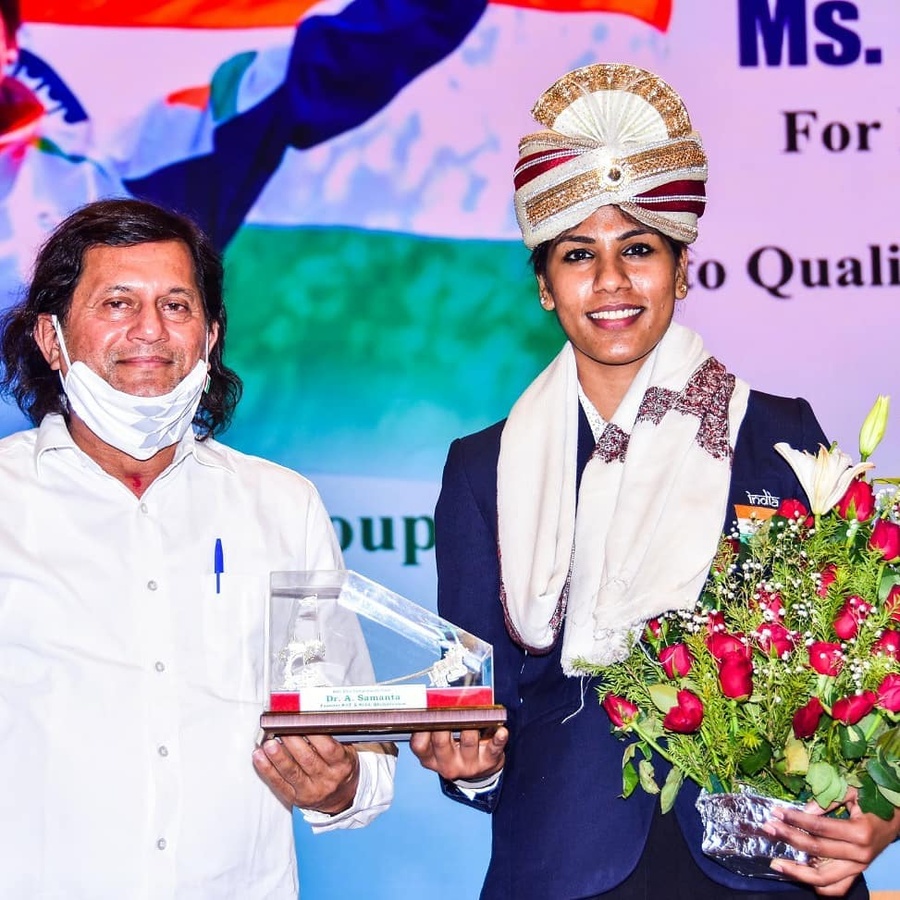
(784, 679)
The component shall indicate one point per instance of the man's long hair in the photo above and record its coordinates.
(12, 18)
(26, 375)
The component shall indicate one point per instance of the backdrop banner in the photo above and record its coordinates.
(354, 160)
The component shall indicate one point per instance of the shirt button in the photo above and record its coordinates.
(161, 844)
(160, 666)
(145, 508)
(151, 585)
(162, 750)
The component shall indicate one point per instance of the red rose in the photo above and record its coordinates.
(852, 613)
(889, 693)
(770, 603)
(886, 539)
(806, 719)
(845, 625)
(858, 502)
(621, 712)
(676, 660)
(826, 578)
(789, 508)
(719, 644)
(774, 639)
(888, 644)
(715, 622)
(850, 710)
(736, 676)
(825, 658)
(687, 714)
(892, 602)
(654, 628)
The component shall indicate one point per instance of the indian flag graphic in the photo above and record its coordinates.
(357, 167)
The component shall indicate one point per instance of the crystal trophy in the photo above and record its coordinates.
(345, 656)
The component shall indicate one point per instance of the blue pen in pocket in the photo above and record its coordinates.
(218, 564)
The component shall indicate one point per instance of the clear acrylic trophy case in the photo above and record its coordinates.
(347, 657)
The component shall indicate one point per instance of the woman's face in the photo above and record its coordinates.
(612, 283)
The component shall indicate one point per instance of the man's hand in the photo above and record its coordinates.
(314, 772)
(471, 757)
(840, 848)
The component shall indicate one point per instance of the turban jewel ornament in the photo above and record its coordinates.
(615, 134)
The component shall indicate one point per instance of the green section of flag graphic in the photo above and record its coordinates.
(367, 353)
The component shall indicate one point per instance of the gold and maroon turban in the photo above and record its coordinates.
(615, 134)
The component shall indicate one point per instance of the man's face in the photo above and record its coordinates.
(136, 318)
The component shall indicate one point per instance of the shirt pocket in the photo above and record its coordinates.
(230, 646)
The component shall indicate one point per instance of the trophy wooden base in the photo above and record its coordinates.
(382, 724)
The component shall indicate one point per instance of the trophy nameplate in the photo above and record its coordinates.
(345, 656)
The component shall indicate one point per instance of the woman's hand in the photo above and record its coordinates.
(471, 757)
(840, 849)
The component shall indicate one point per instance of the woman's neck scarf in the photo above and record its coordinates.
(650, 507)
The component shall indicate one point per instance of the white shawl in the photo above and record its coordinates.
(650, 507)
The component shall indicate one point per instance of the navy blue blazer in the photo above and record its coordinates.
(560, 826)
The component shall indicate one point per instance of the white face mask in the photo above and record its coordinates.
(138, 426)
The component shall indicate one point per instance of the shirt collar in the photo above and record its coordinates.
(53, 434)
(628, 409)
(208, 452)
(595, 420)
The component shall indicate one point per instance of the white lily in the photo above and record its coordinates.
(825, 476)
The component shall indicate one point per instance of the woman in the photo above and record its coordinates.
(598, 503)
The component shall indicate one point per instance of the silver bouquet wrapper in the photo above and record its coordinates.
(733, 832)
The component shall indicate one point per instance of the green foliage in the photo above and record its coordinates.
(756, 760)
(670, 789)
(647, 777)
(876, 799)
(853, 741)
(826, 783)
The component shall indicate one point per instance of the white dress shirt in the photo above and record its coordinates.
(130, 688)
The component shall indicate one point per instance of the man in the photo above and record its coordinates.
(209, 158)
(133, 572)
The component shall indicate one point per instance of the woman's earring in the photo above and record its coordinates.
(681, 290)
(546, 302)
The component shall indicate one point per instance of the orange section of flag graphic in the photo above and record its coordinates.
(168, 13)
(656, 12)
(269, 13)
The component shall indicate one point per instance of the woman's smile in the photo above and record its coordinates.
(611, 316)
